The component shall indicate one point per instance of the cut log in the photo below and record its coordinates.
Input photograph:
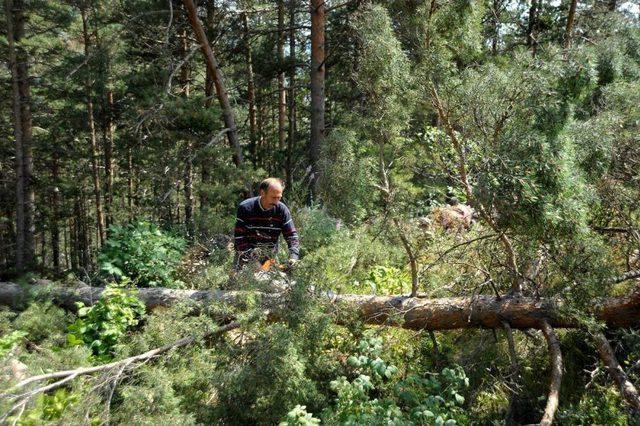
(408, 312)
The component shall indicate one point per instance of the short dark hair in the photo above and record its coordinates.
(269, 182)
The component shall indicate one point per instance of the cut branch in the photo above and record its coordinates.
(63, 377)
(555, 356)
(627, 389)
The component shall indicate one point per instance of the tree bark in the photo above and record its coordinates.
(251, 90)
(570, 19)
(555, 356)
(97, 193)
(282, 92)
(316, 141)
(221, 92)
(185, 72)
(292, 99)
(414, 313)
(627, 389)
(532, 27)
(108, 159)
(22, 126)
(55, 212)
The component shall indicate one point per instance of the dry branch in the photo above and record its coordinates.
(627, 389)
(20, 400)
(555, 356)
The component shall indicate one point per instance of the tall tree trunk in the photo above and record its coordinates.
(495, 19)
(188, 151)
(223, 98)
(108, 158)
(570, 19)
(55, 212)
(282, 93)
(22, 127)
(251, 90)
(73, 238)
(317, 91)
(97, 193)
(210, 7)
(291, 140)
(532, 27)
(130, 180)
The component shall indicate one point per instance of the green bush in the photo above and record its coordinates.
(8, 342)
(377, 395)
(317, 229)
(102, 325)
(143, 253)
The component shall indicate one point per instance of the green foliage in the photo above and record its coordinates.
(317, 228)
(41, 321)
(104, 324)
(378, 396)
(299, 417)
(347, 182)
(143, 253)
(345, 263)
(9, 341)
(272, 360)
(388, 280)
(601, 407)
(49, 407)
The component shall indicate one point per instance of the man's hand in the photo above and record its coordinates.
(292, 262)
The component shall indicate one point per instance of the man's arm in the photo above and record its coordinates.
(290, 235)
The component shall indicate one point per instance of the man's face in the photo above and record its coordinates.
(271, 197)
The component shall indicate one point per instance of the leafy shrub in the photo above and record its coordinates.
(259, 384)
(435, 399)
(143, 253)
(49, 407)
(102, 325)
(388, 280)
(316, 227)
(41, 321)
(299, 417)
(602, 407)
(8, 342)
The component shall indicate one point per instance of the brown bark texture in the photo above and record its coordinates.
(221, 92)
(282, 92)
(292, 99)
(317, 88)
(414, 313)
(251, 88)
(97, 192)
(22, 126)
(570, 19)
(555, 356)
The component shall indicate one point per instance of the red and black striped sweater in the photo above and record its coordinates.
(260, 228)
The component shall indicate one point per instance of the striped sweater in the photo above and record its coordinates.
(260, 228)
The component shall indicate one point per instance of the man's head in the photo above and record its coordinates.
(270, 192)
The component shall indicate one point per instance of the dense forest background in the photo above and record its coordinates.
(130, 130)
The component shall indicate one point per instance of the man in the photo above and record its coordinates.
(259, 223)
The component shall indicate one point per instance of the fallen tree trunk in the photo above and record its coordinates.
(407, 312)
